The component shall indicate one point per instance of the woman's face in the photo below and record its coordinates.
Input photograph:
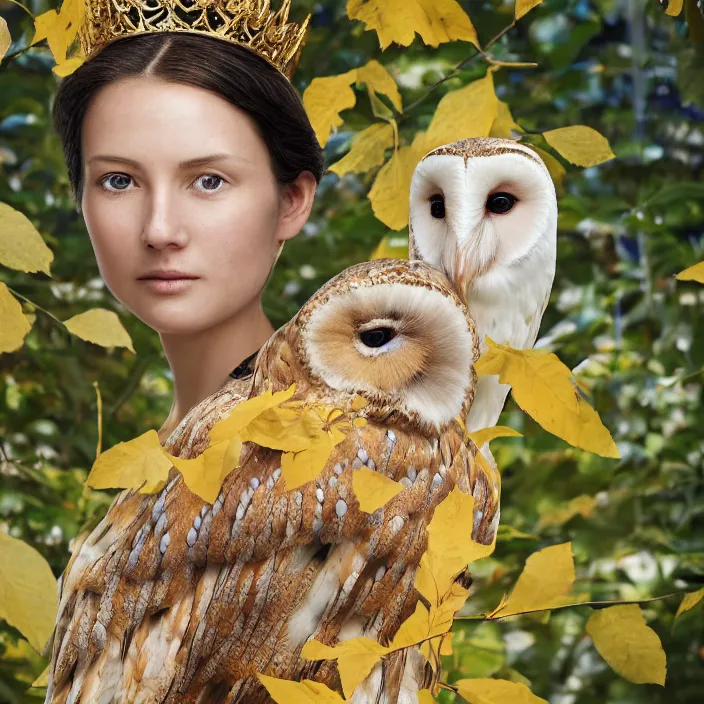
(155, 197)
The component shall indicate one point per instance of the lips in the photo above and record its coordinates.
(167, 275)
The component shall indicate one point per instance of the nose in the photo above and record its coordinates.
(163, 226)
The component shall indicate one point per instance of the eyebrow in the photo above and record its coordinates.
(188, 164)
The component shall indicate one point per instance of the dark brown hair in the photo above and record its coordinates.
(235, 73)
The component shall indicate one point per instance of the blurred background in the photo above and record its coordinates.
(632, 333)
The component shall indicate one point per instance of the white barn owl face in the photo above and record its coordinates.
(481, 206)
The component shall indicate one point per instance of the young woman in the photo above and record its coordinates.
(192, 161)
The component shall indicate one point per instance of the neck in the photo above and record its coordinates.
(201, 362)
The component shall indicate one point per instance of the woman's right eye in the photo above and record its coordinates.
(115, 186)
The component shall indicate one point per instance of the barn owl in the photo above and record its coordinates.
(484, 211)
(172, 599)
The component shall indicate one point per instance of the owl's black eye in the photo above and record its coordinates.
(500, 203)
(437, 207)
(377, 337)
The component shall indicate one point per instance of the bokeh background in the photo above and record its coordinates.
(617, 316)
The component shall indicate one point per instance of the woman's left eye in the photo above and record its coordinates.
(213, 179)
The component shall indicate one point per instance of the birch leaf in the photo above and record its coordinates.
(450, 546)
(5, 38)
(580, 145)
(544, 583)
(425, 696)
(101, 327)
(248, 410)
(355, 658)
(504, 125)
(523, 7)
(479, 437)
(303, 692)
(543, 387)
(373, 490)
(21, 246)
(583, 505)
(324, 100)
(437, 21)
(674, 8)
(464, 113)
(378, 79)
(491, 691)
(391, 248)
(689, 602)
(631, 648)
(368, 150)
(14, 324)
(205, 474)
(129, 465)
(28, 591)
(390, 193)
(694, 273)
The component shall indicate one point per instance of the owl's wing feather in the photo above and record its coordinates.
(266, 570)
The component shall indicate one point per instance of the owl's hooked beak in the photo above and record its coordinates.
(470, 259)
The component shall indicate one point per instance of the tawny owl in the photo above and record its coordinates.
(171, 599)
(484, 211)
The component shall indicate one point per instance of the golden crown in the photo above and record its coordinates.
(250, 23)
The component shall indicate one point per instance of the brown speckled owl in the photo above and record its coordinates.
(171, 599)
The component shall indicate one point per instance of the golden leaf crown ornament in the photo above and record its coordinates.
(250, 23)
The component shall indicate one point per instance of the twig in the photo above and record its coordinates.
(43, 310)
(26, 9)
(468, 60)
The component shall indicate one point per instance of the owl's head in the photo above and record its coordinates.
(393, 331)
(480, 208)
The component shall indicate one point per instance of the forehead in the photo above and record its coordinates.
(152, 118)
(470, 148)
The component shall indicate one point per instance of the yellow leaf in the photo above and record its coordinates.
(504, 125)
(543, 387)
(245, 412)
(21, 246)
(303, 692)
(299, 468)
(205, 474)
(60, 29)
(67, 67)
(391, 248)
(555, 168)
(129, 465)
(390, 193)
(100, 326)
(368, 150)
(464, 113)
(689, 602)
(631, 648)
(373, 490)
(324, 100)
(43, 679)
(359, 402)
(523, 7)
(14, 324)
(450, 546)
(355, 658)
(674, 8)
(5, 38)
(378, 79)
(491, 691)
(694, 273)
(583, 505)
(28, 591)
(479, 437)
(425, 697)
(437, 21)
(544, 583)
(580, 145)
